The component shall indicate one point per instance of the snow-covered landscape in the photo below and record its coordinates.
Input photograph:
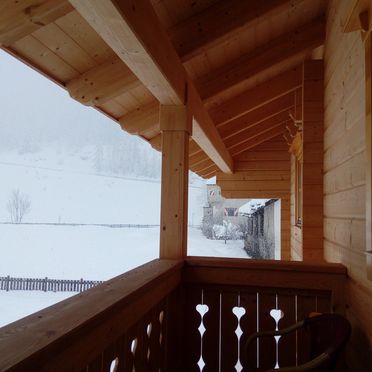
(79, 174)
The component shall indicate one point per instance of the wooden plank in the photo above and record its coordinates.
(82, 33)
(20, 18)
(276, 52)
(143, 119)
(175, 124)
(102, 83)
(205, 30)
(65, 47)
(258, 96)
(32, 52)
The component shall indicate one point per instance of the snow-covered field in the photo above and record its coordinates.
(88, 252)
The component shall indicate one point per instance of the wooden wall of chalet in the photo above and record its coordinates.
(344, 175)
(263, 172)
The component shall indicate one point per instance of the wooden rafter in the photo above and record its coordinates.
(205, 29)
(103, 83)
(280, 105)
(20, 18)
(253, 131)
(275, 53)
(257, 96)
(133, 31)
(256, 141)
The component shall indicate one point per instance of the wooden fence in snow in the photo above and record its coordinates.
(8, 283)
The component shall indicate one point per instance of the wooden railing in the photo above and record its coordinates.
(117, 326)
(192, 315)
(227, 300)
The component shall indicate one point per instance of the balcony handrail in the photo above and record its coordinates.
(65, 336)
(270, 273)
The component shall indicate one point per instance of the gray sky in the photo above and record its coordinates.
(35, 109)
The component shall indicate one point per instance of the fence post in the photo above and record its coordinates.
(45, 284)
(7, 283)
(81, 285)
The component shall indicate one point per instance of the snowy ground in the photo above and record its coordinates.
(88, 252)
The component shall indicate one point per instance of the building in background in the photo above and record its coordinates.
(262, 238)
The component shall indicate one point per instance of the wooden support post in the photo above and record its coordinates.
(312, 155)
(175, 125)
(368, 71)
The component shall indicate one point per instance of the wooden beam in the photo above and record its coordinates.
(133, 31)
(253, 131)
(358, 16)
(142, 120)
(260, 95)
(175, 124)
(256, 141)
(20, 18)
(275, 53)
(205, 29)
(205, 133)
(280, 105)
(102, 83)
(312, 159)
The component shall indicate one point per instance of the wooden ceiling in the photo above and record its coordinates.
(241, 61)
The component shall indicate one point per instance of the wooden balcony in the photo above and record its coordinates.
(152, 318)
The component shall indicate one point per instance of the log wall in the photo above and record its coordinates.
(263, 172)
(344, 175)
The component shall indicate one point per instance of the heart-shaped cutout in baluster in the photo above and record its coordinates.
(276, 314)
(202, 309)
(238, 312)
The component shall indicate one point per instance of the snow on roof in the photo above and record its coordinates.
(252, 205)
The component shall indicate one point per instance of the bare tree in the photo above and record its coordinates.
(18, 205)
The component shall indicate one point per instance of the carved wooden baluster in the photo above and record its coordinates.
(155, 357)
(229, 323)
(287, 343)
(277, 314)
(248, 323)
(267, 345)
(211, 339)
(193, 342)
(239, 312)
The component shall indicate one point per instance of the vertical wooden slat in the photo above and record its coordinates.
(96, 365)
(248, 300)
(229, 323)
(192, 335)
(267, 345)
(175, 347)
(287, 343)
(305, 305)
(211, 340)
